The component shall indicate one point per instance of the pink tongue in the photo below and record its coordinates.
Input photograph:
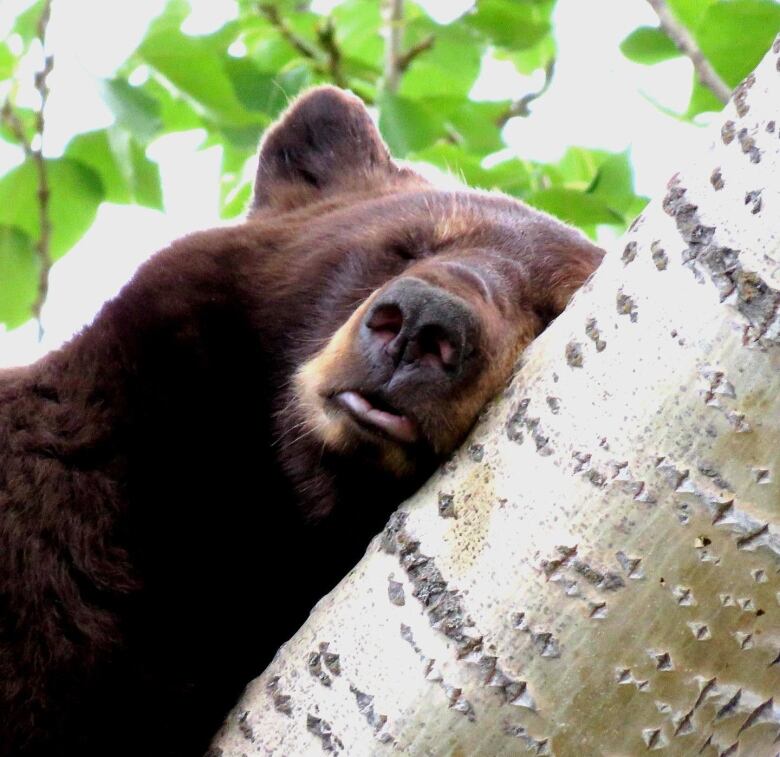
(397, 426)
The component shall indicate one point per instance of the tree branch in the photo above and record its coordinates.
(405, 60)
(44, 236)
(521, 106)
(394, 34)
(326, 35)
(271, 13)
(326, 57)
(11, 119)
(688, 47)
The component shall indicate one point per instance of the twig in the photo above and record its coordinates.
(688, 47)
(14, 123)
(271, 13)
(44, 236)
(326, 57)
(521, 106)
(405, 60)
(326, 35)
(393, 17)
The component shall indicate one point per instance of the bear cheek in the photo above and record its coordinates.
(502, 342)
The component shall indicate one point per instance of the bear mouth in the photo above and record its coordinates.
(377, 416)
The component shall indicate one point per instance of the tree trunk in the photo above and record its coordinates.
(597, 570)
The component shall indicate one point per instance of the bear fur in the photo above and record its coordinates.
(182, 481)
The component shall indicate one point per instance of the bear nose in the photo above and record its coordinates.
(418, 324)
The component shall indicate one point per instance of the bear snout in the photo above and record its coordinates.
(416, 331)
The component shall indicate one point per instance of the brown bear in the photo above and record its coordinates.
(183, 480)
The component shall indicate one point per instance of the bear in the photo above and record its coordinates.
(183, 480)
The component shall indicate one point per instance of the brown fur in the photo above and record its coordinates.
(176, 490)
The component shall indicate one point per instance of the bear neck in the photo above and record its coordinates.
(165, 392)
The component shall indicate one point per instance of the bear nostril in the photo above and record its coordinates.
(386, 322)
(418, 325)
(433, 344)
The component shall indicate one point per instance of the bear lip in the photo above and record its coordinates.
(398, 427)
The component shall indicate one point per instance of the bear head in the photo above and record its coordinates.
(421, 298)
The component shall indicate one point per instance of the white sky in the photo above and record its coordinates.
(597, 99)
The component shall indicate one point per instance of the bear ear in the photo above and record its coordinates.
(324, 141)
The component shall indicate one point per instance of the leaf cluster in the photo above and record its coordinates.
(732, 35)
(234, 82)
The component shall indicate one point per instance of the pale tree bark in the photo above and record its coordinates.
(597, 570)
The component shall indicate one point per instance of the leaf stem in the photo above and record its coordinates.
(521, 106)
(326, 56)
(44, 237)
(688, 47)
(326, 35)
(405, 60)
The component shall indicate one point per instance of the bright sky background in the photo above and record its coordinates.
(597, 99)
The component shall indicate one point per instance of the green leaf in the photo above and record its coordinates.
(173, 16)
(515, 24)
(284, 6)
(408, 125)
(93, 149)
(511, 176)
(125, 172)
(252, 86)
(637, 206)
(19, 268)
(75, 193)
(26, 24)
(196, 67)
(690, 12)
(648, 45)
(732, 54)
(133, 109)
(702, 100)
(196, 70)
(145, 178)
(241, 137)
(532, 58)
(7, 62)
(266, 92)
(450, 67)
(358, 35)
(579, 167)
(27, 118)
(265, 45)
(236, 202)
(572, 206)
(176, 114)
(235, 185)
(614, 184)
(476, 124)
(735, 34)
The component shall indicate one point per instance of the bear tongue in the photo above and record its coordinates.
(398, 427)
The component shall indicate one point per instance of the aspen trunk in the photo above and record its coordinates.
(597, 570)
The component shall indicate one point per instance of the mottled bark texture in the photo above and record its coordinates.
(597, 570)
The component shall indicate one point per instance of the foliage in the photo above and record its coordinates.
(733, 35)
(234, 82)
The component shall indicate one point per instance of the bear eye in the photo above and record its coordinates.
(401, 250)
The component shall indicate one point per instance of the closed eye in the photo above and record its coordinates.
(402, 251)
